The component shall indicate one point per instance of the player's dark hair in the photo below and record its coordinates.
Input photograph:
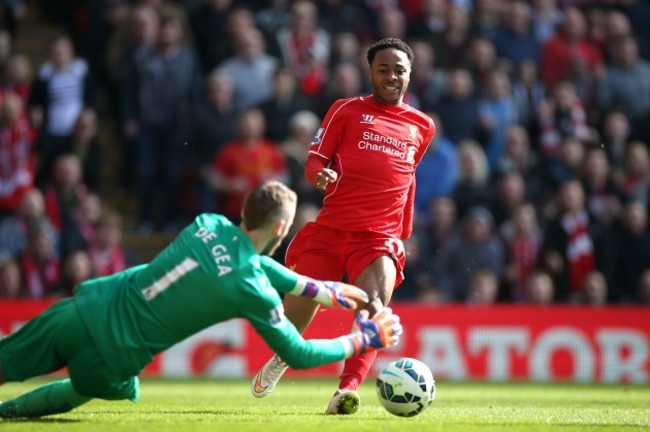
(266, 203)
(389, 42)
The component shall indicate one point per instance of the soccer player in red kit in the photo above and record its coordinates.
(364, 158)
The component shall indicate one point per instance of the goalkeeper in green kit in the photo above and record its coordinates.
(212, 272)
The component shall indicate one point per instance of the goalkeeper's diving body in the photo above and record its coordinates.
(211, 272)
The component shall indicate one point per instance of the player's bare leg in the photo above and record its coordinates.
(378, 280)
(300, 311)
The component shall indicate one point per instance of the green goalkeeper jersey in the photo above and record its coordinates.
(210, 273)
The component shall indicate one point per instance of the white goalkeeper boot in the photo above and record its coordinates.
(267, 377)
(344, 402)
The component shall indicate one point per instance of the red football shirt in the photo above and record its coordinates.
(257, 163)
(375, 149)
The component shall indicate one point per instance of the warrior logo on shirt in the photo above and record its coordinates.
(318, 136)
(367, 119)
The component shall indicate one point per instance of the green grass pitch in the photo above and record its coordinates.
(298, 406)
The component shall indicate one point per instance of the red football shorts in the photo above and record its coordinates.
(327, 253)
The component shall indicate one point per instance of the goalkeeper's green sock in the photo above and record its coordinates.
(55, 398)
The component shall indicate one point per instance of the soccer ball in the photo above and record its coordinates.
(406, 387)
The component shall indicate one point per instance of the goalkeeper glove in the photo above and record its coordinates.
(335, 294)
(383, 330)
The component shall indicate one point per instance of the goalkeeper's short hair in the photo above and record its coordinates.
(269, 202)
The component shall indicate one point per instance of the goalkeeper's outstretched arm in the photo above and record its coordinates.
(327, 293)
(382, 331)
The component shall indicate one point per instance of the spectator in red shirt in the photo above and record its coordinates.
(106, 252)
(40, 263)
(305, 47)
(364, 158)
(243, 164)
(570, 41)
(522, 237)
(568, 252)
(17, 164)
(561, 116)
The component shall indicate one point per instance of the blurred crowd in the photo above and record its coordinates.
(535, 189)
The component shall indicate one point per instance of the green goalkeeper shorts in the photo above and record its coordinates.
(58, 338)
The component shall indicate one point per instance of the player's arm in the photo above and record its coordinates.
(325, 144)
(327, 293)
(317, 172)
(407, 219)
(383, 330)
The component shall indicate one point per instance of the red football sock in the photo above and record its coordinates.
(356, 369)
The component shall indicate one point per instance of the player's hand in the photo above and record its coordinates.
(324, 178)
(345, 296)
(383, 330)
(335, 294)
